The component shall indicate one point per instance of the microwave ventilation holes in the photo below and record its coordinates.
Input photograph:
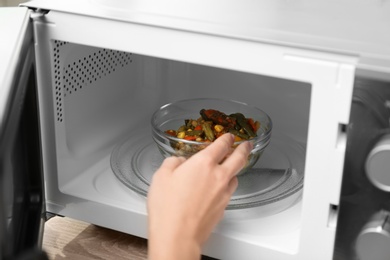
(90, 66)
(57, 78)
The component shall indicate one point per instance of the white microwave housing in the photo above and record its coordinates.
(306, 54)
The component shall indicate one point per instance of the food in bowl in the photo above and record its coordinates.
(212, 124)
(176, 130)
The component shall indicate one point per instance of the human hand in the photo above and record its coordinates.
(187, 198)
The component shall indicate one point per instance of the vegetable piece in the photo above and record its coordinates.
(199, 139)
(218, 128)
(257, 126)
(181, 134)
(239, 134)
(208, 131)
(242, 121)
(182, 128)
(194, 132)
(217, 117)
(190, 138)
(252, 124)
(171, 132)
(237, 138)
(198, 127)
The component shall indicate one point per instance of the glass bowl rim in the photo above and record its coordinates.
(259, 138)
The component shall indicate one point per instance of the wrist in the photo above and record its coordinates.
(171, 244)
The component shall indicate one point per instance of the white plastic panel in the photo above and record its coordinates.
(357, 27)
(13, 27)
(307, 93)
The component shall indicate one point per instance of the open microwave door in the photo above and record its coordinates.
(21, 183)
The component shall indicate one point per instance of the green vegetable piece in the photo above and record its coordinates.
(194, 132)
(182, 128)
(239, 134)
(243, 122)
(208, 131)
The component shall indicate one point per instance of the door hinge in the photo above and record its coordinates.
(38, 13)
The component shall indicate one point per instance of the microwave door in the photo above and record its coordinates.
(21, 183)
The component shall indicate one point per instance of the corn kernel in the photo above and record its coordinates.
(218, 128)
(181, 134)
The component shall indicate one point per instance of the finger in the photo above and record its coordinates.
(171, 163)
(219, 149)
(238, 159)
(232, 186)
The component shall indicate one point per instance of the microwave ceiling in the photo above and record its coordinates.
(356, 27)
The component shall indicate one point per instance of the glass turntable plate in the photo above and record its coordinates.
(277, 176)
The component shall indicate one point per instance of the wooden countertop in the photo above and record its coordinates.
(66, 238)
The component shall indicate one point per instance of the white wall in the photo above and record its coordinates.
(11, 2)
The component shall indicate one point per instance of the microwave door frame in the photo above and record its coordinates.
(21, 173)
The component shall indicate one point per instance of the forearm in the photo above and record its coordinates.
(172, 247)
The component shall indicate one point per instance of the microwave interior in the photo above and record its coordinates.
(101, 101)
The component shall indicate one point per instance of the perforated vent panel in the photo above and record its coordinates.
(72, 75)
(57, 78)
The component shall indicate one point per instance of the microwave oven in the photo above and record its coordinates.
(81, 79)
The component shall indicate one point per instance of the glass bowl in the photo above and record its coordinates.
(174, 115)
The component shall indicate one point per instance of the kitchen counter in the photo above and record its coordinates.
(66, 238)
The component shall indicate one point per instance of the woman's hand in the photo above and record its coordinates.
(187, 198)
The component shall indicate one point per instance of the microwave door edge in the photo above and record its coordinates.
(21, 176)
